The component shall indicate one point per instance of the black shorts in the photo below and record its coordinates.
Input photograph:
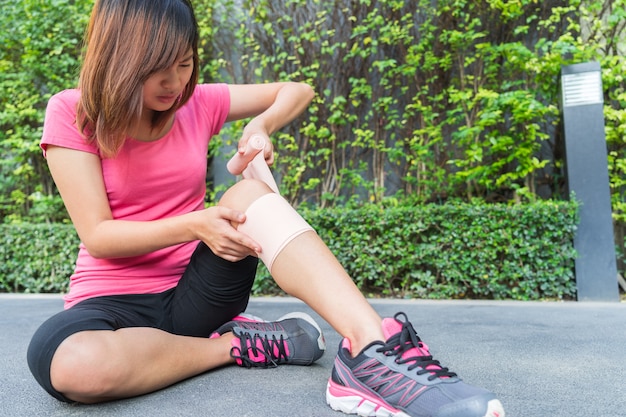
(211, 292)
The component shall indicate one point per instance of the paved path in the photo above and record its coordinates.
(543, 359)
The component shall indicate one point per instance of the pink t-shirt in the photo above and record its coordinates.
(145, 181)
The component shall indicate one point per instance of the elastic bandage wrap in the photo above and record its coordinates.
(251, 163)
(273, 223)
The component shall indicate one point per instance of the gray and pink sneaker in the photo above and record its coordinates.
(400, 378)
(294, 339)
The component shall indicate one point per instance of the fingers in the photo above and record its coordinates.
(269, 156)
(228, 242)
(268, 147)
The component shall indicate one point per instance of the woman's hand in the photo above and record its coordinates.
(216, 226)
(249, 131)
(271, 105)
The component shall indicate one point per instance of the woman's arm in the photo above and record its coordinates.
(273, 106)
(78, 176)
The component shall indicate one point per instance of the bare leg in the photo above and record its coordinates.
(96, 366)
(307, 269)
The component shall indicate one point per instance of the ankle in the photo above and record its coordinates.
(359, 341)
(225, 343)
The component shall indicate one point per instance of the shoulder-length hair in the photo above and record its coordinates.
(126, 42)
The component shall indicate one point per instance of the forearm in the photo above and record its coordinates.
(121, 238)
(271, 105)
(291, 100)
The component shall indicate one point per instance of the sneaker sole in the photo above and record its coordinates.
(495, 409)
(351, 401)
(321, 342)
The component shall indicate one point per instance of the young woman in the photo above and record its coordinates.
(161, 282)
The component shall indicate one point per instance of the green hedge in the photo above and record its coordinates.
(37, 258)
(459, 250)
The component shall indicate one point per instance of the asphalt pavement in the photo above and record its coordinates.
(541, 358)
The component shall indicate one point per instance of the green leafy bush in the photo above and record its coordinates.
(41, 43)
(37, 258)
(455, 250)
(438, 100)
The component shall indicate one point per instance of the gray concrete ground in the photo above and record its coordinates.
(542, 359)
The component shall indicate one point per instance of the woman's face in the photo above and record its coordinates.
(162, 89)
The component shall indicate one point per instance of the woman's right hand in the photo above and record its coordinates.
(217, 227)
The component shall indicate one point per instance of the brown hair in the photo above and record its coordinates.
(126, 42)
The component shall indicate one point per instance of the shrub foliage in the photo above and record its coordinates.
(37, 258)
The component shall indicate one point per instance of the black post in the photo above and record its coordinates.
(588, 179)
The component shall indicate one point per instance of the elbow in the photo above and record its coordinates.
(98, 255)
(95, 251)
(101, 242)
(302, 90)
(97, 247)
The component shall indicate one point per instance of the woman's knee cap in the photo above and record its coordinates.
(273, 223)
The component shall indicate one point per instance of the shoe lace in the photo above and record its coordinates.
(272, 349)
(409, 349)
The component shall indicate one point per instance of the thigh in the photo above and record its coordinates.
(211, 292)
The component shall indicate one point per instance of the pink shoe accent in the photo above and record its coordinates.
(345, 343)
(257, 351)
(391, 327)
(243, 317)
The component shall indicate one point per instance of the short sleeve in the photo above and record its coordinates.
(213, 100)
(60, 127)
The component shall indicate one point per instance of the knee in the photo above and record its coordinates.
(244, 193)
(81, 372)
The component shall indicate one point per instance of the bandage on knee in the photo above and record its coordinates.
(273, 223)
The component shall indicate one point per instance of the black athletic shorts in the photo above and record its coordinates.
(211, 292)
